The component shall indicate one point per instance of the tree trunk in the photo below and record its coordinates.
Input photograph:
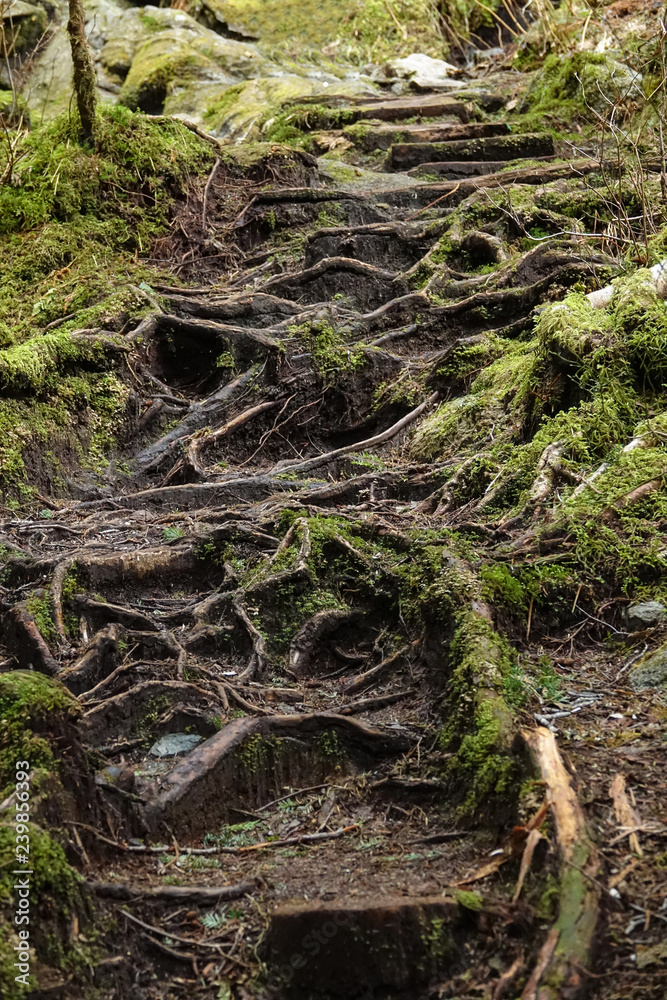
(84, 79)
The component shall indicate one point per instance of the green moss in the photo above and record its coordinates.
(32, 709)
(472, 901)
(499, 396)
(54, 896)
(330, 354)
(293, 610)
(363, 29)
(72, 223)
(293, 123)
(158, 63)
(565, 85)
(218, 109)
(480, 727)
(41, 609)
(329, 744)
(254, 753)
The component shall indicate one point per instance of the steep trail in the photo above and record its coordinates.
(280, 577)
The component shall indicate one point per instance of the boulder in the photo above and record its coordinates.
(236, 112)
(23, 24)
(425, 73)
(148, 56)
(162, 64)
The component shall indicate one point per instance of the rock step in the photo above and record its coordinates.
(391, 109)
(405, 155)
(454, 170)
(360, 948)
(371, 137)
(412, 107)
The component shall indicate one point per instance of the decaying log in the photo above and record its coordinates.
(567, 949)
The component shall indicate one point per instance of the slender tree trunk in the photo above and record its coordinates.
(84, 79)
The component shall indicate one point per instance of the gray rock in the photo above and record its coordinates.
(175, 744)
(651, 671)
(646, 615)
(426, 73)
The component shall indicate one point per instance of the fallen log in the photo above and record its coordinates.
(567, 949)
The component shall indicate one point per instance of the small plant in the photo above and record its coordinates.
(172, 534)
(236, 835)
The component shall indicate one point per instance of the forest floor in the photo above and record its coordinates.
(356, 548)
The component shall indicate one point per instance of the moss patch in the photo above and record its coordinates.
(34, 712)
(73, 222)
(362, 27)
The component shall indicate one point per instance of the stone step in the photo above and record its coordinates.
(427, 105)
(454, 170)
(363, 948)
(405, 155)
(412, 107)
(371, 137)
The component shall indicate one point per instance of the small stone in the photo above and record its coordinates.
(175, 744)
(651, 671)
(122, 776)
(424, 72)
(646, 615)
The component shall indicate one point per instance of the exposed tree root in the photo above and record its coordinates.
(26, 642)
(347, 467)
(193, 894)
(122, 711)
(208, 773)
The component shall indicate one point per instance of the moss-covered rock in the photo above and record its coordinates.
(367, 26)
(160, 64)
(238, 110)
(581, 80)
(55, 898)
(23, 24)
(651, 671)
(162, 49)
(174, 52)
(38, 738)
(37, 717)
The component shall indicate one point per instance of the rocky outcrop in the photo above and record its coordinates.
(159, 60)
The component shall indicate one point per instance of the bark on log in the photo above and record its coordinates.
(567, 950)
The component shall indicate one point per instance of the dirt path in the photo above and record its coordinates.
(283, 580)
